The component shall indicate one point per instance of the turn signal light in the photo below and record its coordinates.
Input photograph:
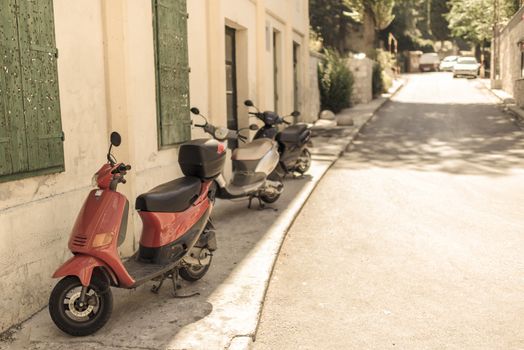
(102, 239)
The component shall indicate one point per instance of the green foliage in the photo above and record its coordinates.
(335, 82)
(439, 24)
(381, 11)
(378, 81)
(333, 19)
(472, 20)
(328, 20)
(415, 24)
(382, 72)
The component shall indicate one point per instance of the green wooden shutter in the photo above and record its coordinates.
(13, 149)
(172, 71)
(40, 85)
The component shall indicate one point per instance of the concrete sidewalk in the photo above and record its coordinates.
(508, 101)
(227, 311)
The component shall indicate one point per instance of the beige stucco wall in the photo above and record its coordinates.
(107, 82)
(36, 214)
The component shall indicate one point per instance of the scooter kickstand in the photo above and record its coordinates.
(156, 288)
(176, 286)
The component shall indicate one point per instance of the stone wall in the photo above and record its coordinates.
(511, 78)
(362, 69)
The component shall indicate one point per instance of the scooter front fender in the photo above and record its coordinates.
(81, 266)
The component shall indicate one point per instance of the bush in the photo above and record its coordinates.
(383, 72)
(335, 82)
(378, 80)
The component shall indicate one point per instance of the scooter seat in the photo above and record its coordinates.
(293, 134)
(171, 197)
(254, 150)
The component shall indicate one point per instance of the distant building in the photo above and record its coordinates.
(73, 71)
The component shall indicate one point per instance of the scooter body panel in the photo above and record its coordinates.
(249, 175)
(103, 216)
(266, 132)
(269, 161)
(160, 229)
(81, 266)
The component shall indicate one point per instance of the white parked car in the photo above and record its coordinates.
(448, 63)
(429, 62)
(466, 66)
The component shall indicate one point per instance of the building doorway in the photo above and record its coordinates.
(231, 83)
(276, 73)
(296, 77)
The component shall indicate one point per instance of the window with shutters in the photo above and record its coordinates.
(172, 71)
(31, 138)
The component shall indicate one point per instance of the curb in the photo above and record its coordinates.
(245, 342)
(509, 107)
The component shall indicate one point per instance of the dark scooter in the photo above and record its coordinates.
(177, 237)
(293, 141)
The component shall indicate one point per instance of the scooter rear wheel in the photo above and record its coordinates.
(304, 162)
(269, 198)
(76, 318)
(193, 273)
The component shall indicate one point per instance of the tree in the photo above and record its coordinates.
(329, 20)
(472, 20)
(379, 11)
(411, 25)
(333, 20)
(439, 24)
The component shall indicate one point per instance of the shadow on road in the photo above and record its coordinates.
(469, 139)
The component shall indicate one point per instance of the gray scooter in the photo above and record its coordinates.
(252, 164)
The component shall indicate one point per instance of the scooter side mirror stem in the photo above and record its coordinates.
(249, 103)
(196, 111)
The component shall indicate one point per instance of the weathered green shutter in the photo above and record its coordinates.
(172, 71)
(40, 85)
(30, 126)
(13, 150)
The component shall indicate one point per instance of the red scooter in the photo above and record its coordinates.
(177, 237)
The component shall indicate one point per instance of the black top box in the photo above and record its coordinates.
(203, 158)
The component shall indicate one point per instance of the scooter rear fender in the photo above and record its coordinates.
(81, 266)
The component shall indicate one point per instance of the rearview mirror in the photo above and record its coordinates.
(195, 110)
(116, 139)
(253, 127)
(248, 103)
(295, 113)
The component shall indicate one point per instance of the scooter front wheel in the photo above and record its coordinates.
(80, 318)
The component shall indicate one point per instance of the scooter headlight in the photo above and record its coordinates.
(102, 239)
(221, 134)
(94, 180)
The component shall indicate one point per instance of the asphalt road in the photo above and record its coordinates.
(415, 238)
